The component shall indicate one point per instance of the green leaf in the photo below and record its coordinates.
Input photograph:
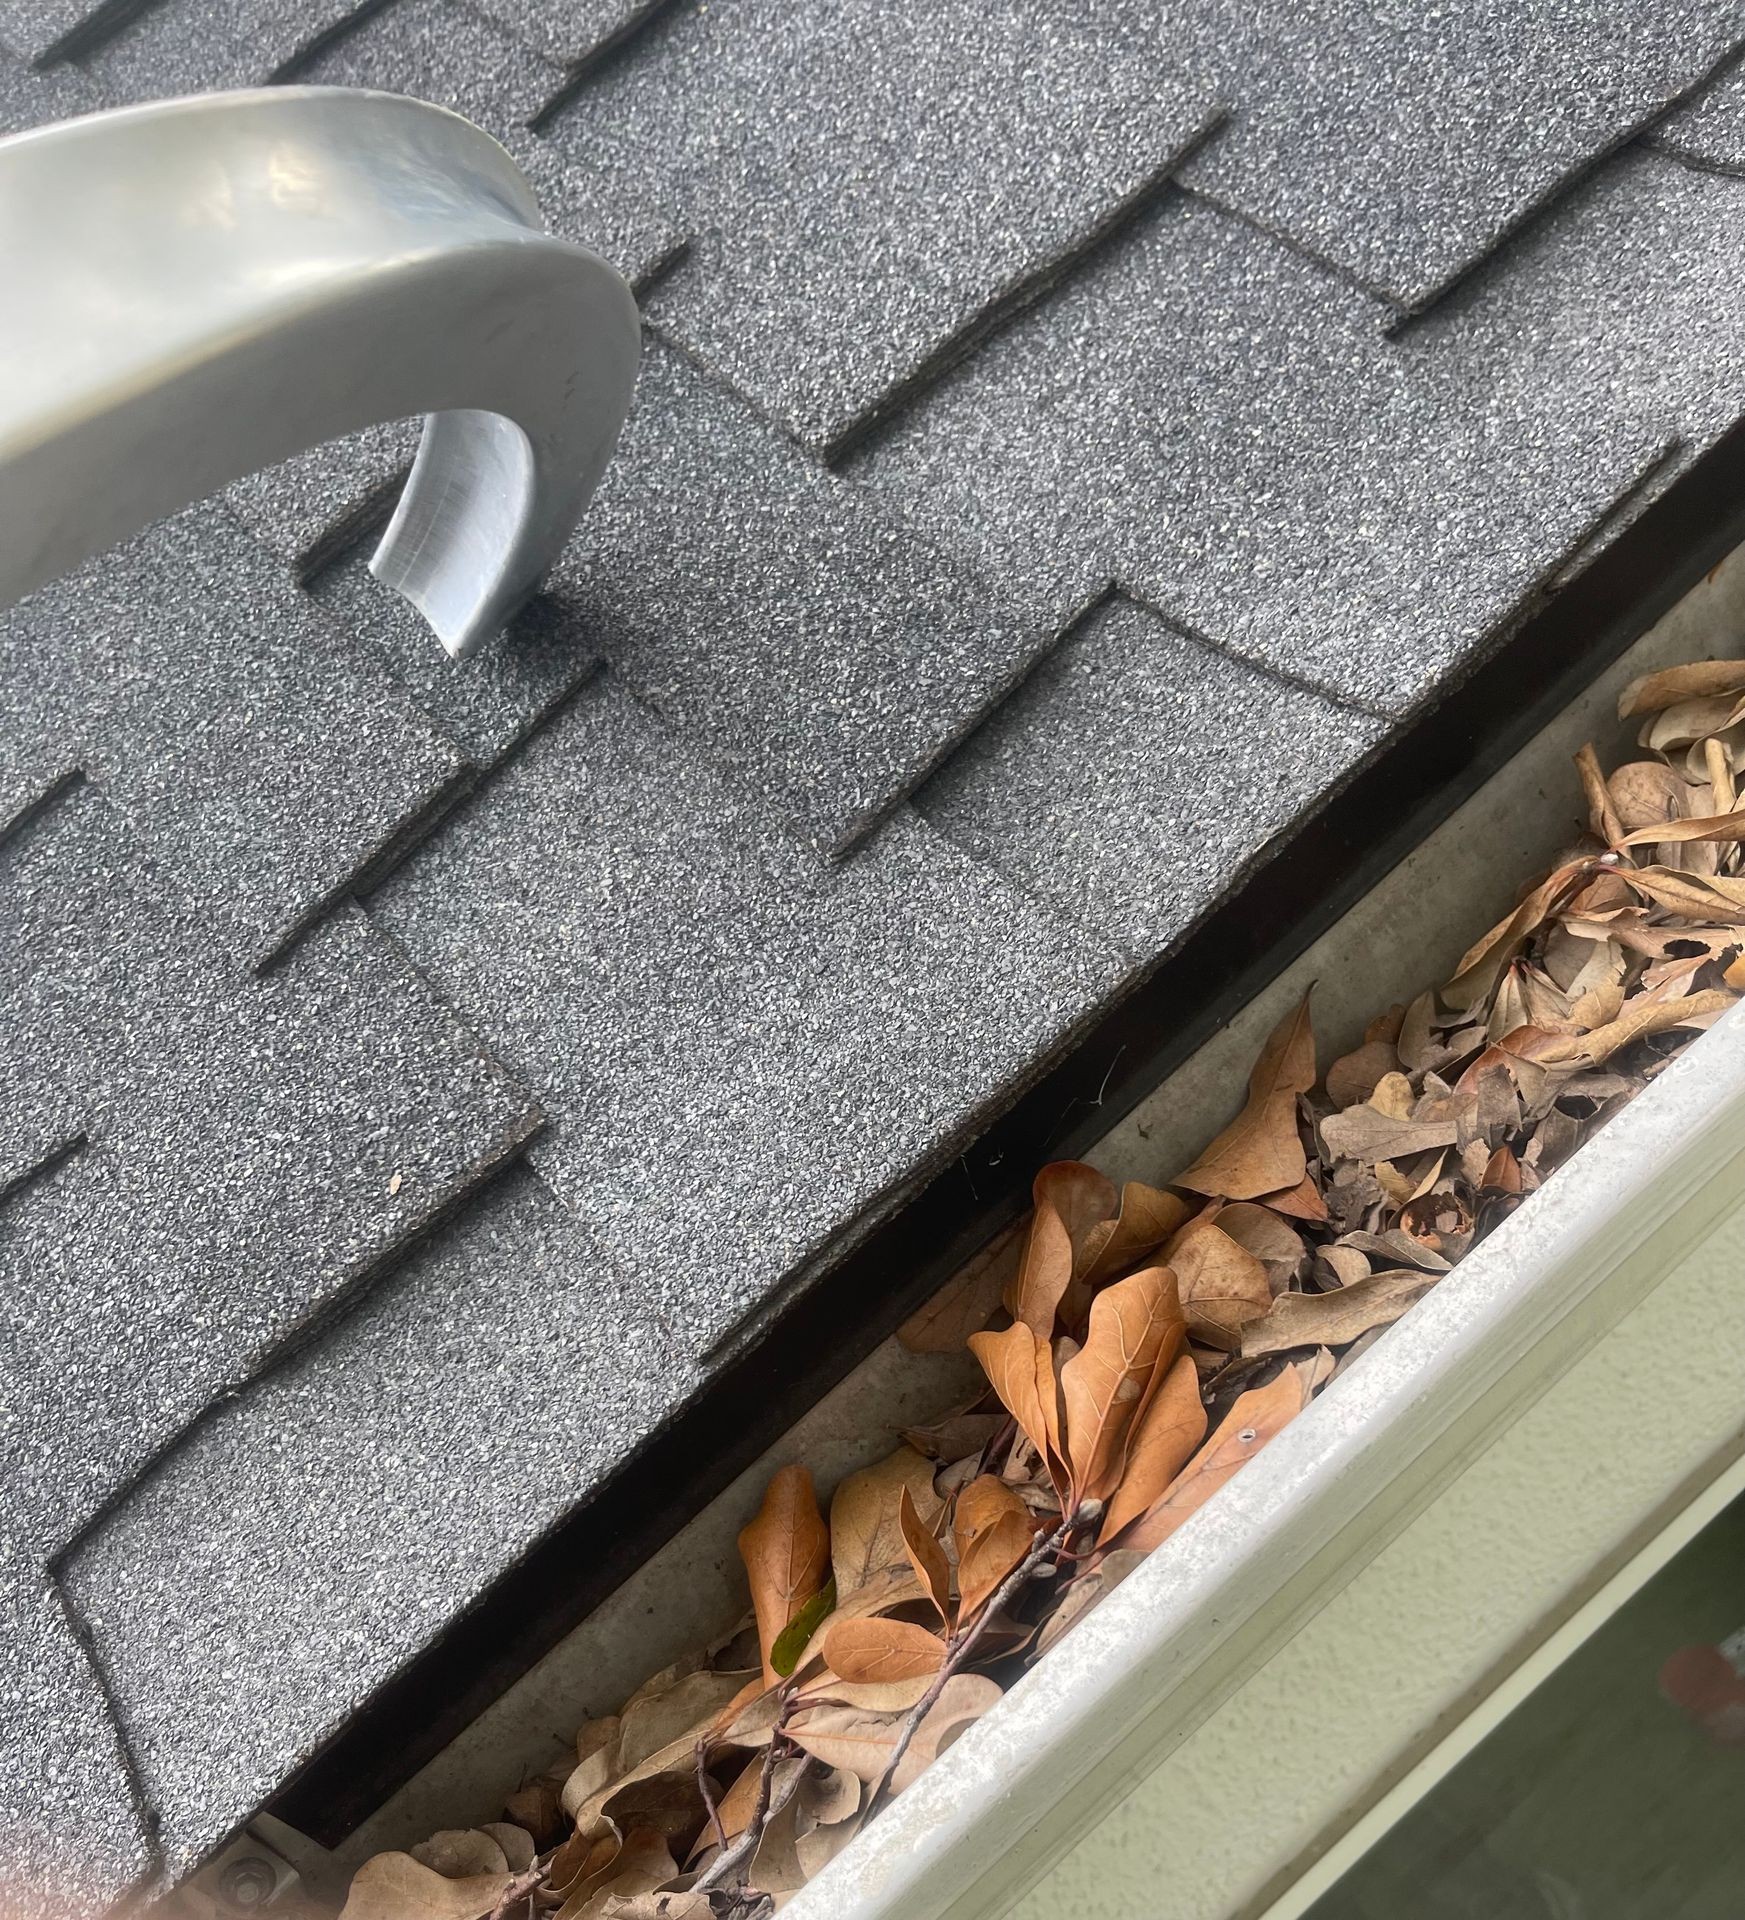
(791, 1641)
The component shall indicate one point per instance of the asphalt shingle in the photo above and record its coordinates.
(198, 46)
(42, 31)
(1135, 772)
(257, 1146)
(571, 31)
(1401, 143)
(315, 1530)
(786, 621)
(1241, 444)
(187, 676)
(818, 156)
(689, 981)
(72, 1833)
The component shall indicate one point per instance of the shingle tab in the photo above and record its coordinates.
(821, 156)
(326, 1526)
(684, 981)
(257, 1146)
(198, 46)
(72, 1836)
(30, 99)
(1213, 421)
(186, 675)
(786, 621)
(571, 31)
(41, 31)
(1403, 142)
(1135, 773)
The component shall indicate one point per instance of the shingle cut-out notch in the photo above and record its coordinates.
(866, 185)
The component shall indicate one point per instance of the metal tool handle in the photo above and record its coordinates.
(198, 288)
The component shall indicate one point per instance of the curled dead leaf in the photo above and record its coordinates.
(1260, 1151)
(866, 1534)
(1222, 1286)
(1137, 1328)
(1070, 1201)
(394, 1886)
(1164, 1438)
(992, 1529)
(962, 1701)
(881, 1651)
(786, 1551)
(1020, 1369)
(1335, 1319)
(926, 1556)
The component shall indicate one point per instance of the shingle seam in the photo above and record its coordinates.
(1017, 297)
(591, 58)
(349, 528)
(102, 23)
(1667, 147)
(47, 1160)
(411, 833)
(1209, 643)
(1281, 236)
(317, 44)
(39, 804)
(144, 1808)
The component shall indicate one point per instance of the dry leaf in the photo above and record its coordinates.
(926, 1556)
(1164, 1438)
(1070, 1200)
(1015, 1361)
(1301, 1202)
(653, 1719)
(1334, 1319)
(1274, 1242)
(852, 1738)
(1260, 1152)
(879, 1652)
(1352, 1077)
(1222, 1286)
(1639, 1019)
(992, 1530)
(1699, 680)
(1601, 817)
(786, 1550)
(962, 1701)
(1257, 1417)
(1096, 1583)
(866, 1535)
(1368, 1134)
(956, 1437)
(966, 1302)
(394, 1886)
(461, 1852)
(1136, 1328)
(1147, 1218)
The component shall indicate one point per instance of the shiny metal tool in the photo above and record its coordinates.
(195, 289)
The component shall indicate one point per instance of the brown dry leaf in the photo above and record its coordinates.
(657, 1906)
(1335, 1319)
(1274, 1242)
(1693, 896)
(655, 1716)
(1601, 817)
(536, 1808)
(644, 1864)
(786, 1550)
(876, 1696)
(1711, 826)
(1164, 1438)
(1484, 962)
(1016, 1361)
(1222, 1286)
(596, 1762)
(1260, 1151)
(962, 1701)
(866, 1535)
(1698, 680)
(993, 1531)
(1341, 1265)
(1301, 1202)
(926, 1556)
(955, 1437)
(1070, 1200)
(1352, 1077)
(394, 1886)
(881, 1652)
(852, 1738)
(1639, 1019)
(458, 1853)
(1137, 1328)
(966, 1302)
(1647, 793)
(1257, 1417)
(775, 1865)
(1369, 1134)
(1147, 1218)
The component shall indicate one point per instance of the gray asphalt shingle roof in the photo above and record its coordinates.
(1061, 457)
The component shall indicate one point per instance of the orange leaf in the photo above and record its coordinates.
(786, 1550)
(991, 1526)
(1164, 1438)
(1301, 1202)
(1257, 1417)
(1136, 1328)
(1147, 1218)
(871, 1652)
(926, 1556)
(1015, 1361)
(1222, 1285)
(1071, 1199)
(1259, 1152)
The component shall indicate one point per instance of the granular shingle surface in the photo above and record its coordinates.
(1037, 504)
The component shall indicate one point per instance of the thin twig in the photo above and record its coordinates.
(708, 1792)
(523, 1887)
(963, 1644)
(745, 1846)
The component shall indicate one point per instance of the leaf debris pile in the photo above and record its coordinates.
(1140, 1346)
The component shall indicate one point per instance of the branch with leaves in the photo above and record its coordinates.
(1139, 1346)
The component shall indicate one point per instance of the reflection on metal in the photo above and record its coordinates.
(196, 289)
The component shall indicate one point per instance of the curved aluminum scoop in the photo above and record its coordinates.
(198, 288)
